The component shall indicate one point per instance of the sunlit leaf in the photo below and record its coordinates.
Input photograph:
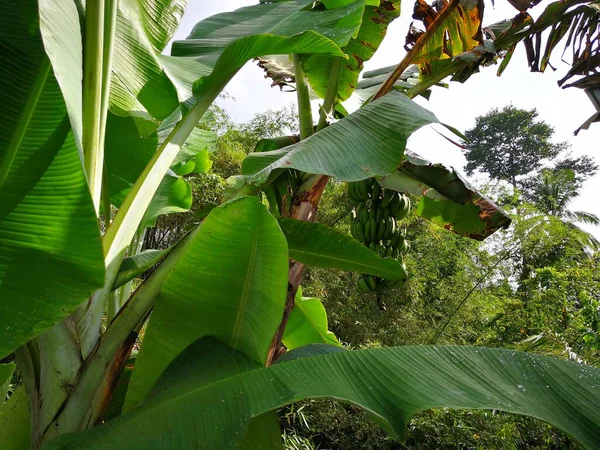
(231, 283)
(134, 266)
(307, 324)
(14, 422)
(51, 256)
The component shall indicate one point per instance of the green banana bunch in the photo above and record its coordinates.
(358, 191)
(375, 224)
(367, 283)
(399, 206)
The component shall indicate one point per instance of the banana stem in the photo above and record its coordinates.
(110, 20)
(93, 156)
(331, 94)
(304, 108)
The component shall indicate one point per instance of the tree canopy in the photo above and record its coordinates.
(509, 143)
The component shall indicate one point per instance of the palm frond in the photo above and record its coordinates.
(585, 217)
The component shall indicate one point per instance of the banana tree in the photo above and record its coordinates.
(99, 128)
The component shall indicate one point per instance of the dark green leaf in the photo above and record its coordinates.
(134, 266)
(318, 245)
(447, 199)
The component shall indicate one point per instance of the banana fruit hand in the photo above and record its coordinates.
(375, 222)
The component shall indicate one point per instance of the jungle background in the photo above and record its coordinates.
(533, 287)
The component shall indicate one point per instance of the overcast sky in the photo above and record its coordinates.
(564, 109)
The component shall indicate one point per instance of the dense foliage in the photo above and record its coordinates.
(125, 325)
(459, 292)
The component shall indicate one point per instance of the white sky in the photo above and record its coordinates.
(565, 109)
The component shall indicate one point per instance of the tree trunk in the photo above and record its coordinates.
(304, 207)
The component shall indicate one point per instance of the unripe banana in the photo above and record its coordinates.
(353, 194)
(395, 253)
(381, 228)
(364, 214)
(387, 229)
(373, 230)
(372, 282)
(395, 238)
(353, 230)
(395, 205)
(404, 209)
(387, 197)
(400, 242)
(367, 238)
(379, 215)
(362, 190)
(363, 284)
(389, 250)
(376, 191)
(404, 247)
(360, 231)
(407, 201)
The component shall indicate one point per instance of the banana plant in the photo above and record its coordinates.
(99, 129)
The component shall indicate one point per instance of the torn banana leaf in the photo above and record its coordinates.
(447, 199)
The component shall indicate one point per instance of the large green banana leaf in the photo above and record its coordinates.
(227, 41)
(127, 153)
(139, 81)
(51, 256)
(59, 26)
(231, 282)
(318, 245)
(206, 397)
(367, 143)
(210, 37)
(206, 89)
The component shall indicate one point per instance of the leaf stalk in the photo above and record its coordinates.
(93, 71)
(304, 108)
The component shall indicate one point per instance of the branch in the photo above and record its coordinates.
(501, 258)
